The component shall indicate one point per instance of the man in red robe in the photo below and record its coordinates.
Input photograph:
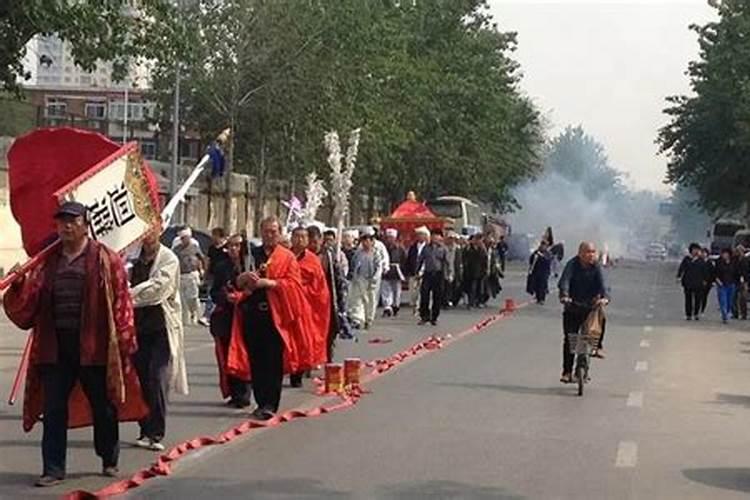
(319, 298)
(78, 304)
(268, 335)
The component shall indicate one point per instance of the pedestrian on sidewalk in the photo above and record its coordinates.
(475, 269)
(78, 304)
(393, 278)
(160, 359)
(422, 235)
(365, 278)
(336, 266)
(383, 258)
(227, 268)
(432, 264)
(727, 278)
(453, 271)
(215, 253)
(709, 269)
(191, 258)
(537, 282)
(271, 338)
(317, 293)
(502, 251)
(739, 306)
(692, 274)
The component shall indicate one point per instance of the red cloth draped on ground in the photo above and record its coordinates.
(107, 308)
(318, 296)
(289, 310)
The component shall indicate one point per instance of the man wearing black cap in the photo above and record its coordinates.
(78, 303)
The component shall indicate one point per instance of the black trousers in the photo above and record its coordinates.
(265, 349)
(705, 294)
(573, 319)
(431, 296)
(152, 366)
(694, 298)
(474, 292)
(58, 382)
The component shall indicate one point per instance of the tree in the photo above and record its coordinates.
(109, 30)
(431, 84)
(707, 139)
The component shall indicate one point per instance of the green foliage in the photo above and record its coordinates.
(708, 136)
(96, 29)
(18, 117)
(581, 159)
(432, 85)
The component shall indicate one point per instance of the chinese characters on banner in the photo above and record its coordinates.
(113, 210)
(117, 197)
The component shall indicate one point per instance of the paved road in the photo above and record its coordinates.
(665, 417)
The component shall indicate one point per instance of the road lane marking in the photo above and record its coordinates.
(635, 399)
(649, 316)
(645, 343)
(648, 329)
(641, 366)
(651, 306)
(627, 454)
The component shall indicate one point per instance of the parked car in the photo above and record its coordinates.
(656, 251)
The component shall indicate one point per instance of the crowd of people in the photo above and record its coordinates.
(108, 342)
(729, 273)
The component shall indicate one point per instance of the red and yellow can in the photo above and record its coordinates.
(334, 377)
(352, 367)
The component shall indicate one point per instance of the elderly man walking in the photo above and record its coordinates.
(191, 259)
(390, 294)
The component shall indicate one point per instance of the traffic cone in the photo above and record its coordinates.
(510, 305)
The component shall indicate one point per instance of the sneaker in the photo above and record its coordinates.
(433, 322)
(110, 471)
(422, 322)
(143, 442)
(156, 446)
(566, 378)
(204, 322)
(47, 481)
(688, 318)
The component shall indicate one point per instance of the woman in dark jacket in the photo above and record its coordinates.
(693, 274)
(540, 267)
(475, 270)
(226, 269)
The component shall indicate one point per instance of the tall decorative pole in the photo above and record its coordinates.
(341, 178)
(315, 193)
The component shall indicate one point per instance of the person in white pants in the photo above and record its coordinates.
(366, 273)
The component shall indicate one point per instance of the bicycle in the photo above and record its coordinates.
(582, 345)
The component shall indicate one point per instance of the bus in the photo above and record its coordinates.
(465, 215)
(723, 233)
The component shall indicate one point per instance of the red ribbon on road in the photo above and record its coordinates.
(349, 397)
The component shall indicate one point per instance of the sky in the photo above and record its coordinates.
(607, 66)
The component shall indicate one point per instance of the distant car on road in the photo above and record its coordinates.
(656, 251)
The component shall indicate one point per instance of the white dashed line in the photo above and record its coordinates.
(635, 399)
(651, 306)
(641, 366)
(648, 329)
(645, 343)
(649, 316)
(627, 454)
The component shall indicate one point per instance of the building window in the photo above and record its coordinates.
(96, 110)
(148, 150)
(56, 107)
(189, 149)
(85, 80)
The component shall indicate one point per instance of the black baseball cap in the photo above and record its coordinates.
(72, 208)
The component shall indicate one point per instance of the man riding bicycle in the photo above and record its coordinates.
(581, 290)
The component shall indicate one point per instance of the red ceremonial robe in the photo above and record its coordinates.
(315, 286)
(289, 310)
(107, 334)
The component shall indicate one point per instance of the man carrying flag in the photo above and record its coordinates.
(78, 303)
